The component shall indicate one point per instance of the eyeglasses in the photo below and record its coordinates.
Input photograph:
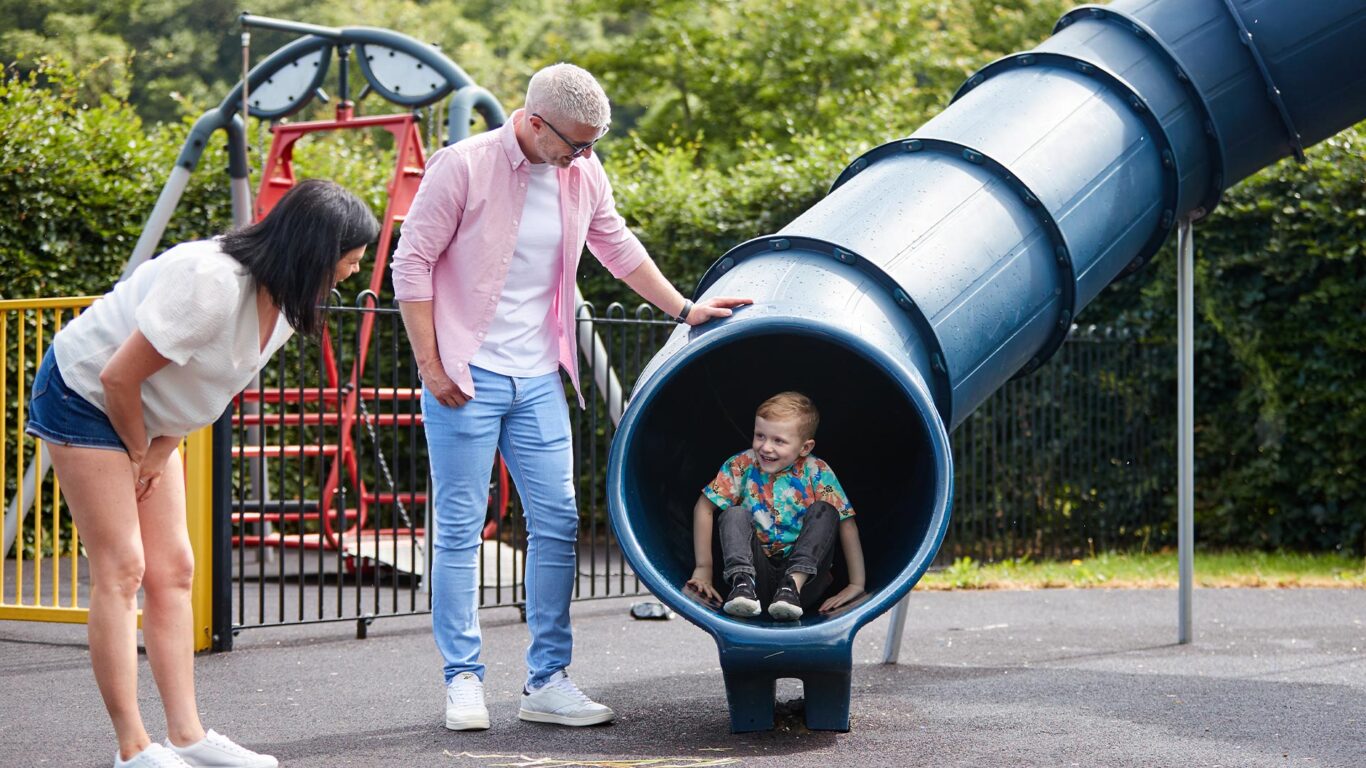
(578, 149)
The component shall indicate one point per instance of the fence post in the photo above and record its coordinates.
(199, 456)
(221, 634)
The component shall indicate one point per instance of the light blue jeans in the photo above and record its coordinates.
(527, 420)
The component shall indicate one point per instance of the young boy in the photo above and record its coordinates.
(782, 509)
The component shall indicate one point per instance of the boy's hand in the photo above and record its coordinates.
(843, 597)
(701, 583)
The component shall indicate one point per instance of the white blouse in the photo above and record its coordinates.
(197, 307)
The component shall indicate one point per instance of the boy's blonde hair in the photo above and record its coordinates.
(792, 405)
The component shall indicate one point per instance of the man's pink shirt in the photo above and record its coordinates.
(461, 230)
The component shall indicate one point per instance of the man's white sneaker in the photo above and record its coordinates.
(561, 702)
(154, 756)
(465, 709)
(218, 751)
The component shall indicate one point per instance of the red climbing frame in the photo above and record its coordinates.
(277, 178)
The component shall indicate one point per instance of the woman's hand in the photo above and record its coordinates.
(147, 469)
(714, 308)
(701, 583)
(843, 597)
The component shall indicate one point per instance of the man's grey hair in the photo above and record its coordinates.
(570, 93)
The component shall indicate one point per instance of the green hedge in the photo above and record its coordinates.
(1280, 289)
(80, 179)
(78, 182)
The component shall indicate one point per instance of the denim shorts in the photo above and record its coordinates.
(58, 415)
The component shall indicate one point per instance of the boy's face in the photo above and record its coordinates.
(779, 443)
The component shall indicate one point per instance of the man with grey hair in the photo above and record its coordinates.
(484, 276)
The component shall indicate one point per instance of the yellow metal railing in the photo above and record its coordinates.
(42, 574)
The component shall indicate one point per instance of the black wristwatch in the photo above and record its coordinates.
(683, 313)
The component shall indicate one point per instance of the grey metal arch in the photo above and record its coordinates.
(313, 51)
(431, 75)
(388, 71)
(464, 104)
(262, 76)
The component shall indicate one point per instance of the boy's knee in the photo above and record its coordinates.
(736, 511)
(822, 509)
(735, 517)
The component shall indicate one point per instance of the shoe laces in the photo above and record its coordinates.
(563, 683)
(159, 757)
(466, 690)
(226, 744)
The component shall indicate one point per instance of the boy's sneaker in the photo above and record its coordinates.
(787, 602)
(154, 756)
(743, 602)
(465, 708)
(561, 702)
(218, 751)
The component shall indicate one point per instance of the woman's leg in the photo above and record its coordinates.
(98, 487)
(167, 613)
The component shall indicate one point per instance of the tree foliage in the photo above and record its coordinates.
(78, 180)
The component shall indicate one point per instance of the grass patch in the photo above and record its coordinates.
(1154, 571)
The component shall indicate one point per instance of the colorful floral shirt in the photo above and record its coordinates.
(777, 502)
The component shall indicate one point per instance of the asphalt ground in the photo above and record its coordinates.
(1035, 678)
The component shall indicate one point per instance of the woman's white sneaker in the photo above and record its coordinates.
(561, 702)
(465, 708)
(218, 751)
(154, 756)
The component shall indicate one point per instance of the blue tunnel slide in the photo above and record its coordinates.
(945, 263)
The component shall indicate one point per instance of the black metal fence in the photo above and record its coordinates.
(322, 484)
(1075, 459)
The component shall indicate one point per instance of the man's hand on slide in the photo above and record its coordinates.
(714, 308)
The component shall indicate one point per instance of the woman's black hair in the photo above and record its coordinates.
(293, 252)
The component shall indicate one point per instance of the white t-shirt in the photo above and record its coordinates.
(197, 307)
(515, 343)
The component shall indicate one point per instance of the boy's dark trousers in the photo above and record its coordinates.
(812, 553)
